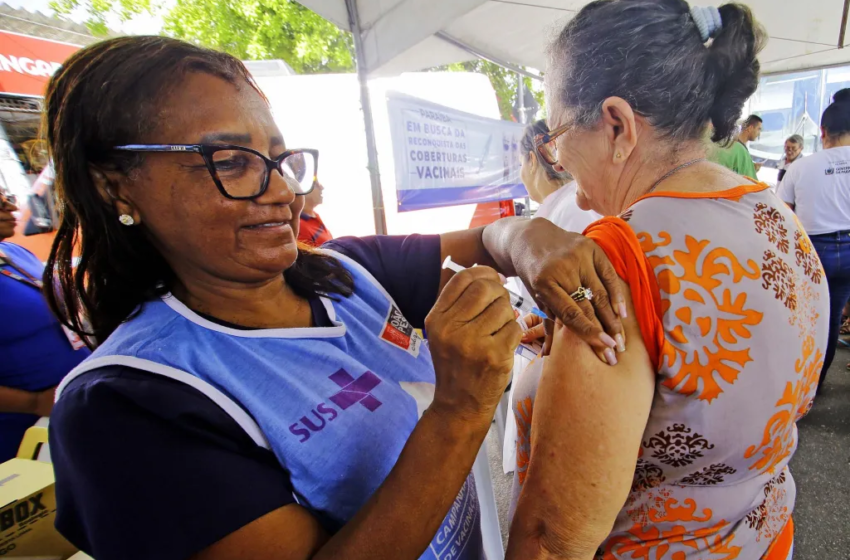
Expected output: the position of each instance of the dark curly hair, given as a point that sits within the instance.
(650, 53)
(106, 95)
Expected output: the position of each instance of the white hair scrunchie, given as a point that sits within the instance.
(707, 20)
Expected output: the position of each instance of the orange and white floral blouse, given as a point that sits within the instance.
(733, 307)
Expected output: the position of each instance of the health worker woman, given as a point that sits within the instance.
(250, 397)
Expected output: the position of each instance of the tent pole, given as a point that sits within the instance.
(843, 30)
(366, 103)
(523, 118)
(520, 91)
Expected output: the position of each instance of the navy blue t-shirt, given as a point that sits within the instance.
(150, 468)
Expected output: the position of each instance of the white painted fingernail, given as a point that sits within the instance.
(607, 340)
(610, 357)
(621, 343)
(623, 310)
(502, 279)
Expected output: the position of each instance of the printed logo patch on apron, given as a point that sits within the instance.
(400, 333)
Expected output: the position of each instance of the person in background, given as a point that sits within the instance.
(313, 231)
(793, 152)
(737, 156)
(817, 188)
(44, 182)
(554, 191)
(39, 214)
(750, 130)
(540, 179)
(682, 453)
(35, 351)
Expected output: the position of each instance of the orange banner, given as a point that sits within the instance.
(26, 63)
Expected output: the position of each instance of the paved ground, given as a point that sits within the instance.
(821, 468)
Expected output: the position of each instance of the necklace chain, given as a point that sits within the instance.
(673, 172)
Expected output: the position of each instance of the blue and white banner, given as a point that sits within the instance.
(445, 157)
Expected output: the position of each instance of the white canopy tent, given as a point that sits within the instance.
(405, 35)
(395, 36)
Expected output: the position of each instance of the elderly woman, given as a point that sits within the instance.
(279, 393)
(682, 450)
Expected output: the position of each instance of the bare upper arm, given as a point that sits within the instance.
(287, 533)
(587, 425)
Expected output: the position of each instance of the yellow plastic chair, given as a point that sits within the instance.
(34, 439)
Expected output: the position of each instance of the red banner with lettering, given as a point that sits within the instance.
(26, 63)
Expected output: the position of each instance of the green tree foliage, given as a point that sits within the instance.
(247, 29)
(266, 29)
(99, 11)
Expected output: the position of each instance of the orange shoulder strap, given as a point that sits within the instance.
(620, 243)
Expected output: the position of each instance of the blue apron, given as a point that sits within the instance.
(335, 404)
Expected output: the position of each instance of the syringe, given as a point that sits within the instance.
(524, 305)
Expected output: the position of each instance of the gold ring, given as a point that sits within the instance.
(582, 294)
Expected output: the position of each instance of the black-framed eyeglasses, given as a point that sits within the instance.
(241, 173)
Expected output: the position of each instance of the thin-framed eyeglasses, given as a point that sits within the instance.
(545, 144)
(242, 173)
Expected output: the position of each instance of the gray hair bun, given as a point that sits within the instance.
(707, 20)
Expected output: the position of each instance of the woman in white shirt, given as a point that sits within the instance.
(818, 189)
(540, 179)
(555, 192)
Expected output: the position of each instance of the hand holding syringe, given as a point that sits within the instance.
(518, 302)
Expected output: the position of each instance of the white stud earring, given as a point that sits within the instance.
(126, 219)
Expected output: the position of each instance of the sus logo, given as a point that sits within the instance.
(356, 390)
(353, 391)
